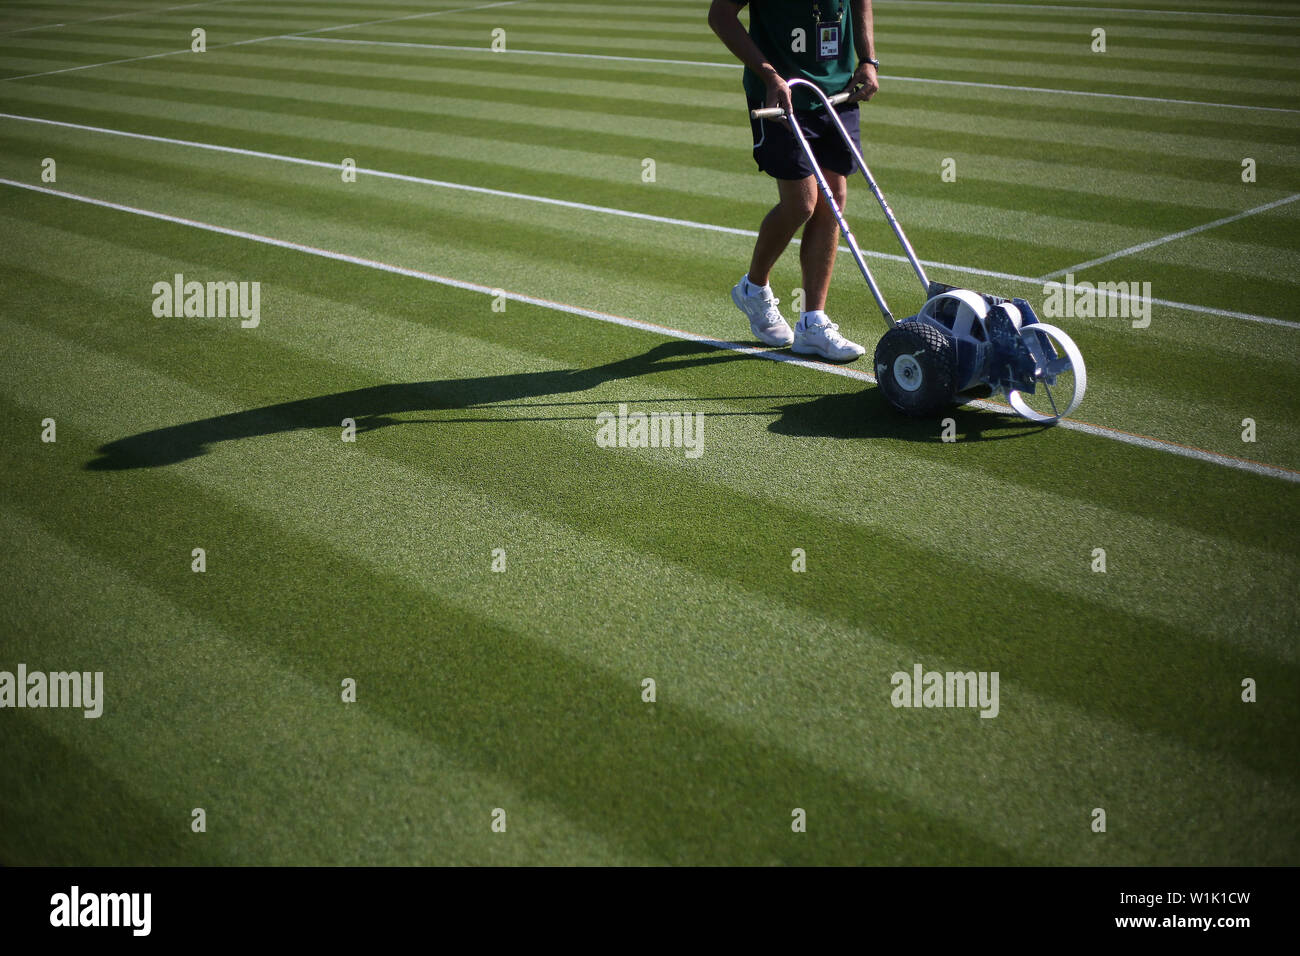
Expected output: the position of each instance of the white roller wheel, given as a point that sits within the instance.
(1062, 380)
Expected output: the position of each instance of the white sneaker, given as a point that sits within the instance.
(817, 335)
(767, 324)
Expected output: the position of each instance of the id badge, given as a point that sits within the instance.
(828, 42)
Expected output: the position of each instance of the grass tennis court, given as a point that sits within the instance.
(503, 269)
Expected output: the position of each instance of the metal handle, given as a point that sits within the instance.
(875, 190)
(775, 112)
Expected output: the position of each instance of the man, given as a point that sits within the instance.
(830, 43)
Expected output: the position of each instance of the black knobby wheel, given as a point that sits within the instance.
(916, 368)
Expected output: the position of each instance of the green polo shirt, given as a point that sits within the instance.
(772, 25)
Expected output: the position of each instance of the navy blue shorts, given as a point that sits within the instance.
(778, 153)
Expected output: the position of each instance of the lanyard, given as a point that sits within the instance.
(817, 12)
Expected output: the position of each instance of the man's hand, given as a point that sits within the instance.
(778, 94)
(864, 84)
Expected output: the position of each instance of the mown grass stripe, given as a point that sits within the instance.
(1059, 8)
(463, 682)
(625, 564)
(1173, 237)
(496, 346)
(506, 235)
(150, 11)
(884, 77)
(1143, 441)
(242, 42)
(229, 702)
(666, 542)
(588, 207)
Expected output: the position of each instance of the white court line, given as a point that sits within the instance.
(1143, 246)
(565, 203)
(131, 59)
(624, 213)
(304, 35)
(409, 16)
(117, 16)
(277, 36)
(1071, 8)
(1142, 441)
(716, 64)
(737, 66)
(1093, 93)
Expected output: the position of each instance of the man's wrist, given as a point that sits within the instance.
(869, 59)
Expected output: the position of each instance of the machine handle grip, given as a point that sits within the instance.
(775, 112)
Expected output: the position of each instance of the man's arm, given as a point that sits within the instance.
(724, 19)
(864, 43)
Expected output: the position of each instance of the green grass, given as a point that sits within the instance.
(522, 690)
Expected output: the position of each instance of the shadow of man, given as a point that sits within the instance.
(374, 407)
(859, 414)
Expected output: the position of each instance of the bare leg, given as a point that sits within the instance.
(798, 200)
(821, 237)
